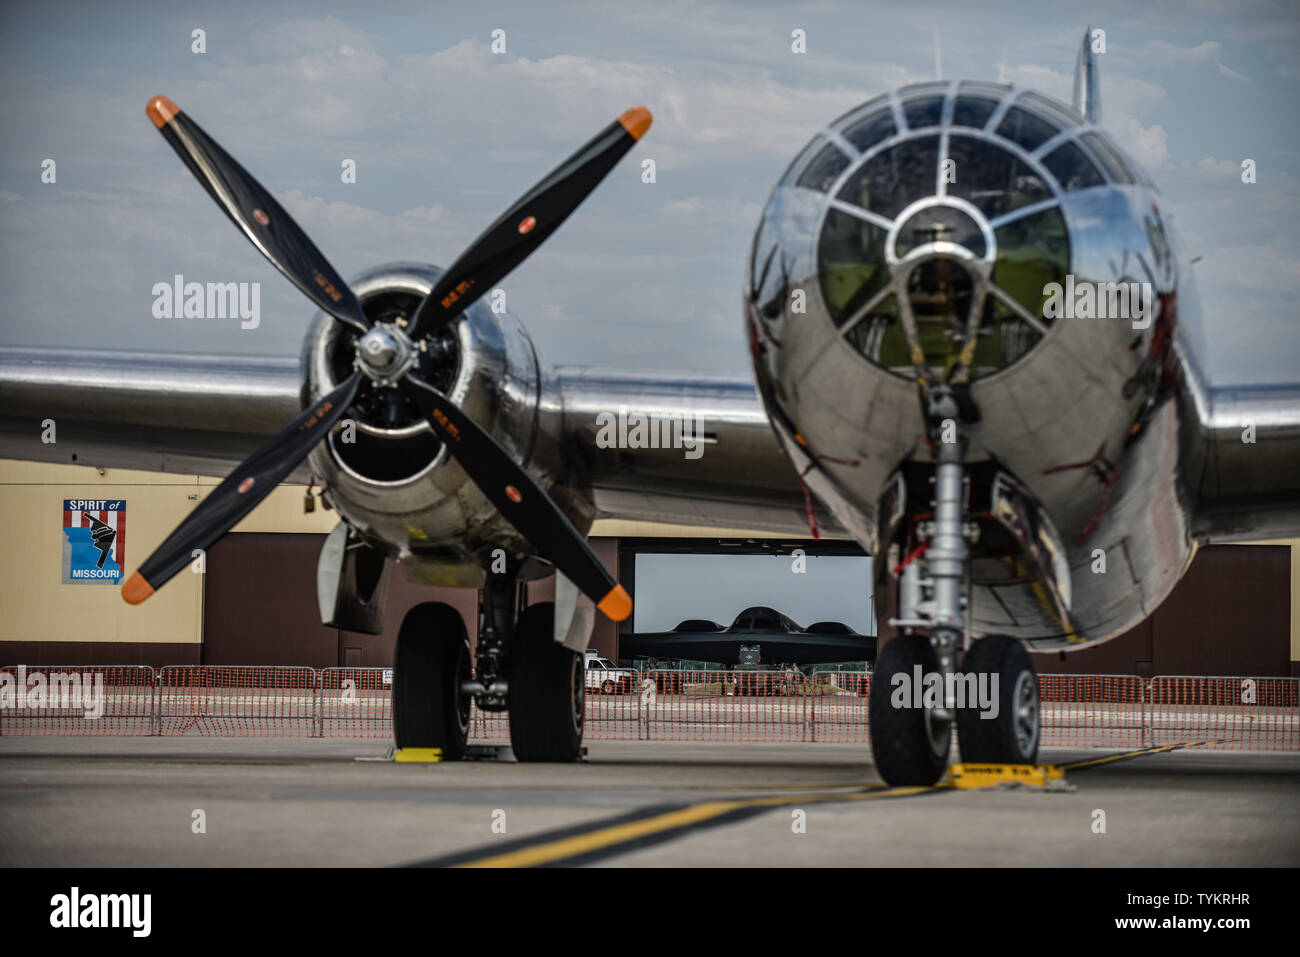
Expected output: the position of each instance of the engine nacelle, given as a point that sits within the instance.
(383, 467)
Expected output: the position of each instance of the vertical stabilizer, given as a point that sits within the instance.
(1087, 83)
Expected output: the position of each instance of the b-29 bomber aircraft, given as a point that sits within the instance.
(917, 386)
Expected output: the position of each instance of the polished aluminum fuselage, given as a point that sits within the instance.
(1124, 451)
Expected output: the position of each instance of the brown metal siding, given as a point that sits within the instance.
(259, 602)
(260, 606)
(1230, 615)
(69, 653)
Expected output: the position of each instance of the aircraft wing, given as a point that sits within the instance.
(205, 414)
(738, 476)
(199, 415)
(202, 415)
(1245, 456)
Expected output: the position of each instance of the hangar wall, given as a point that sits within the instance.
(1231, 614)
(261, 606)
(257, 605)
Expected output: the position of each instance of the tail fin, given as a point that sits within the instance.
(1087, 81)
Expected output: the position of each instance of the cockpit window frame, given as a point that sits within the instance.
(1095, 143)
(1048, 109)
(1027, 138)
(1069, 130)
(927, 102)
(1064, 148)
(846, 130)
(805, 156)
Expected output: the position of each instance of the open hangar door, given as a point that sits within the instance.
(1231, 614)
(673, 580)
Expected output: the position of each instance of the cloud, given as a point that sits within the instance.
(1166, 54)
(687, 207)
(314, 211)
(717, 210)
(1148, 144)
(445, 134)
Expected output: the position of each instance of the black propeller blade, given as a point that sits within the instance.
(240, 493)
(505, 244)
(519, 499)
(257, 214)
(526, 225)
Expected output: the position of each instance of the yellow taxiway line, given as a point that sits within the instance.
(607, 838)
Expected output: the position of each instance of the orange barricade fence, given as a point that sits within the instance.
(356, 702)
(1105, 711)
(1257, 714)
(238, 700)
(754, 706)
(489, 725)
(88, 699)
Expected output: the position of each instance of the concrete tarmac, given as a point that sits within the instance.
(116, 801)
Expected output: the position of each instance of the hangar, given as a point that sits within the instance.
(255, 602)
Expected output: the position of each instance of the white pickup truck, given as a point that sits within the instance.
(606, 677)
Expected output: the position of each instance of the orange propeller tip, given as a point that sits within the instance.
(636, 121)
(617, 605)
(160, 110)
(136, 589)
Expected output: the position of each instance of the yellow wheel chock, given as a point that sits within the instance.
(991, 775)
(418, 755)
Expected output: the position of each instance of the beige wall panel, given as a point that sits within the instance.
(39, 607)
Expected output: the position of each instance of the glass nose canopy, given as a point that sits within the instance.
(923, 308)
(936, 224)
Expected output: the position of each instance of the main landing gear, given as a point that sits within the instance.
(519, 668)
(918, 693)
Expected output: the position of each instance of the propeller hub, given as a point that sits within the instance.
(385, 353)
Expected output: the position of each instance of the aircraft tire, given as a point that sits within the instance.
(910, 747)
(547, 691)
(431, 661)
(1012, 737)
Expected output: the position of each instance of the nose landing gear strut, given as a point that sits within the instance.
(918, 693)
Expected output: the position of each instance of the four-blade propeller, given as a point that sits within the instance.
(501, 247)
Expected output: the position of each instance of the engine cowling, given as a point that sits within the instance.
(383, 467)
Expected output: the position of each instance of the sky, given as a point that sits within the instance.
(645, 276)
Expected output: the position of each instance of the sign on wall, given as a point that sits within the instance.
(94, 541)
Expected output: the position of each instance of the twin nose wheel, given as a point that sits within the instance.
(997, 718)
